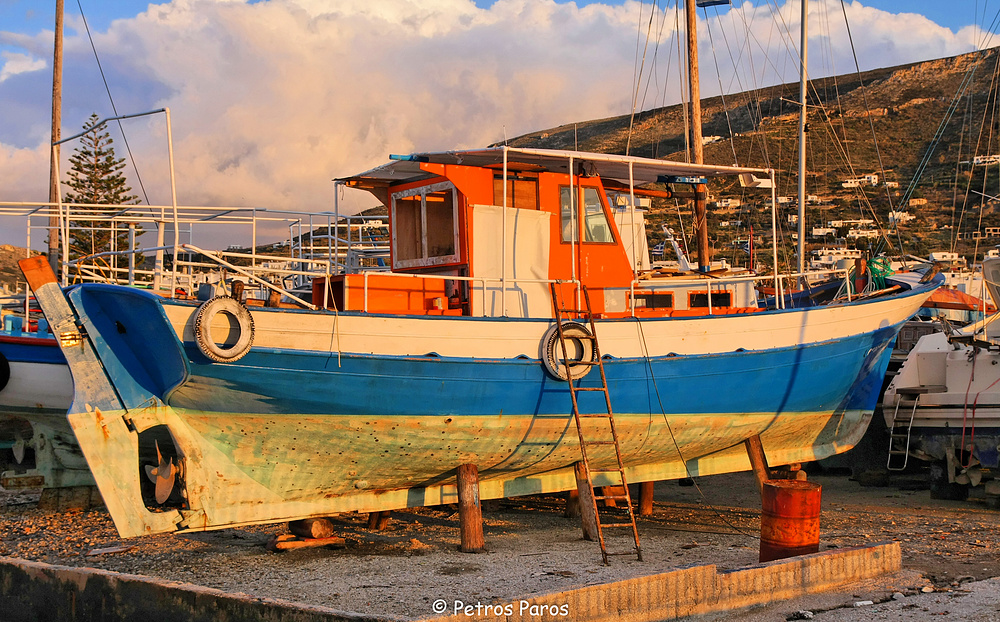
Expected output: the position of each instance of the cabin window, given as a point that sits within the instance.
(521, 193)
(596, 227)
(651, 300)
(719, 299)
(567, 216)
(595, 222)
(425, 226)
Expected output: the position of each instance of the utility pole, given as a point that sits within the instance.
(697, 148)
(56, 136)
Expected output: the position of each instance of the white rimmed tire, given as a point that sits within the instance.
(203, 329)
(581, 350)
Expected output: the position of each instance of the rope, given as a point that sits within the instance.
(673, 439)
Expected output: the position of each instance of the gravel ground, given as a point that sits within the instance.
(533, 549)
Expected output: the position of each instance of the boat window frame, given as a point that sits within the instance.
(579, 220)
(424, 260)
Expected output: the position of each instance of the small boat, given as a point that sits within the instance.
(370, 397)
(36, 389)
(943, 405)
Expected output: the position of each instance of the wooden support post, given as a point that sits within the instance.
(318, 528)
(378, 520)
(646, 499)
(470, 515)
(588, 511)
(572, 504)
(607, 491)
(758, 461)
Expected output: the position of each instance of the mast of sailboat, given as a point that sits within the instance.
(803, 50)
(697, 151)
(54, 224)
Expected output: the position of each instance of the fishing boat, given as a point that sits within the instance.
(369, 397)
(943, 406)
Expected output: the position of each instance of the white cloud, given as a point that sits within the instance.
(271, 100)
(14, 64)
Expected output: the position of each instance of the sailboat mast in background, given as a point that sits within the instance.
(803, 50)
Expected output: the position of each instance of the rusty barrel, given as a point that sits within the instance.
(789, 523)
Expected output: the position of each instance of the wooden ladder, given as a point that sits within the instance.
(612, 434)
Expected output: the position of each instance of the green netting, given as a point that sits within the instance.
(878, 269)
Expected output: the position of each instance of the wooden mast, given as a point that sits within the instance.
(803, 49)
(697, 147)
(56, 135)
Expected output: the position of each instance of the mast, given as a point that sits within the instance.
(54, 224)
(803, 49)
(697, 151)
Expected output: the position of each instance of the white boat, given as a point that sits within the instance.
(943, 406)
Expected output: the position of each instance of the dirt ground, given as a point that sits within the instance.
(532, 549)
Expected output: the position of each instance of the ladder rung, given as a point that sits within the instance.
(590, 389)
(595, 416)
(897, 452)
(606, 525)
(615, 497)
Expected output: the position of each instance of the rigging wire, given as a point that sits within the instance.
(637, 75)
(722, 92)
(113, 107)
(871, 125)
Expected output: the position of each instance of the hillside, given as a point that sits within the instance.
(901, 106)
(10, 274)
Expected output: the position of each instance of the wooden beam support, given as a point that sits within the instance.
(572, 504)
(378, 520)
(758, 461)
(317, 528)
(470, 515)
(588, 509)
(646, 499)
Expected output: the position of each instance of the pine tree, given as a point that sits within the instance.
(96, 177)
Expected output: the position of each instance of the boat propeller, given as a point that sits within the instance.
(164, 474)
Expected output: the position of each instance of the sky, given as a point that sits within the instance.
(271, 99)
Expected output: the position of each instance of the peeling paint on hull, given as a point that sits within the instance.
(288, 433)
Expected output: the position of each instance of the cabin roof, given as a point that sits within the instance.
(407, 168)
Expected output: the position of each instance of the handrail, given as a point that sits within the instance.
(222, 262)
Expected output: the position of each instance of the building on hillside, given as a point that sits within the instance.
(853, 234)
(858, 182)
(917, 202)
(837, 224)
(899, 218)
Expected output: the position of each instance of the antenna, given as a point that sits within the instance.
(504, 135)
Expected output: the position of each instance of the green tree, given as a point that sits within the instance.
(96, 178)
